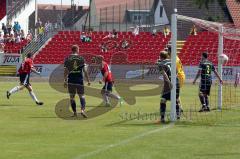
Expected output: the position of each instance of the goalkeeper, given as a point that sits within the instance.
(180, 72)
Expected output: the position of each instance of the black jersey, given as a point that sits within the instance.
(206, 68)
(165, 65)
(75, 65)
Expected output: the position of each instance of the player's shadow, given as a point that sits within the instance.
(63, 110)
(43, 117)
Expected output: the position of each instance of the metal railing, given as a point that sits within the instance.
(38, 42)
(14, 7)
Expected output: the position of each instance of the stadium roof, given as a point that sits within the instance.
(234, 9)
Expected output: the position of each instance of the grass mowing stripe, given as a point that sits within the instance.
(123, 142)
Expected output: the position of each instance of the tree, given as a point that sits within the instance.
(205, 3)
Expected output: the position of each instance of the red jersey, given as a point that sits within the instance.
(26, 66)
(106, 68)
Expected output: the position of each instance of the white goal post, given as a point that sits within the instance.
(210, 26)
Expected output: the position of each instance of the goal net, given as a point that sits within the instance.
(215, 39)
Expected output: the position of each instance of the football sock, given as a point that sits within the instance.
(114, 96)
(202, 100)
(177, 108)
(162, 110)
(33, 96)
(73, 105)
(14, 90)
(207, 101)
(83, 102)
(105, 98)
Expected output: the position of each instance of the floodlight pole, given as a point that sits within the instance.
(220, 67)
(36, 18)
(61, 13)
(173, 66)
(89, 22)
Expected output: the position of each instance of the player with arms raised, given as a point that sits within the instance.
(205, 70)
(74, 67)
(24, 76)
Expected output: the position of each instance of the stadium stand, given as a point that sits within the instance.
(15, 47)
(207, 41)
(13, 40)
(145, 47)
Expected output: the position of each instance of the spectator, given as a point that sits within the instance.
(103, 47)
(4, 29)
(193, 30)
(166, 31)
(16, 28)
(38, 25)
(56, 26)
(1, 37)
(125, 44)
(9, 27)
(88, 37)
(18, 39)
(22, 35)
(29, 36)
(50, 26)
(136, 30)
(2, 45)
(11, 38)
(154, 32)
(41, 32)
(47, 28)
(83, 36)
(112, 35)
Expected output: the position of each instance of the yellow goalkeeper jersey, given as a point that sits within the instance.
(180, 72)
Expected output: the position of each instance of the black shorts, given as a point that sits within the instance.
(167, 91)
(24, 79)
(167, 96)
(205, 87)
(108, 86)
(75, 88)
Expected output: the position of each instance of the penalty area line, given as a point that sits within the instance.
(126, 141)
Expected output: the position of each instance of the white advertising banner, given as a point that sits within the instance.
(45, 69)
(136, 71)
(10, 59)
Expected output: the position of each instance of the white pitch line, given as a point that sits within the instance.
(131, 139)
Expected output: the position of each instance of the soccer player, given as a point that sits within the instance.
(180, 72)
(165, 69)
(24, 75)
(108, 82)
(205, 70)
(74, 67)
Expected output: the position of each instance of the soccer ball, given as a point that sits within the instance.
(223, 59)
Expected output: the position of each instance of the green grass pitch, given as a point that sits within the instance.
(28, 131)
